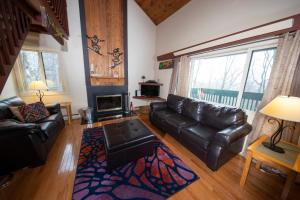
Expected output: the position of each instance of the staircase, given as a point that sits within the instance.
(18, 17)
(15, 24)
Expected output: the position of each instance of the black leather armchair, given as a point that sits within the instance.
(26, 144)
(214, 134)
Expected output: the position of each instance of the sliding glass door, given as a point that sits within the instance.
(236, 78)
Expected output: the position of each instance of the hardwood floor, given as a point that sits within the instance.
(55, 179)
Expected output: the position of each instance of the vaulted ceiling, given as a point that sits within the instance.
(159, 10)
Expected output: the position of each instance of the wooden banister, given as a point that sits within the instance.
(17, 18)
(15, 25)
(57, 11)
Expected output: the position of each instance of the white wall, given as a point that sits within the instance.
(73, 59)
(10, 88)
(199, 21)
(141, 48)
(71, 62)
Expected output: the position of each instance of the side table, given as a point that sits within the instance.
(67, 107)
(289, 162)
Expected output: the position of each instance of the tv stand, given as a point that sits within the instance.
(151, 83)
(148, 98)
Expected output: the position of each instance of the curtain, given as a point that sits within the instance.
(294, 136)
(174, 77)
(180, 79)
(183, 76)
(280, 83)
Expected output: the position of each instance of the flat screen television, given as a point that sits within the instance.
(150, 90)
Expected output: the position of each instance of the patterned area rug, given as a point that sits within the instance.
(151, 177)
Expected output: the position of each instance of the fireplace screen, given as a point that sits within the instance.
(109, 103)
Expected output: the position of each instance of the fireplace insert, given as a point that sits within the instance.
(109, 103)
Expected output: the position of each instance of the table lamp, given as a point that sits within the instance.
(282, 108)
(38, 86)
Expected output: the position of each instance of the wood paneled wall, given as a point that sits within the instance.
(104, 18)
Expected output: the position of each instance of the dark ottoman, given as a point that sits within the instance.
(127, 141)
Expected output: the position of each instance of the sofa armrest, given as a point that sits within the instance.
(12, 128)
(53, 109)
(231, 134)
(154, 106)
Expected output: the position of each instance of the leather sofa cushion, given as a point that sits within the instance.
(5, 112)
(179, 121)
(200, 135)
(222, 117)
(193, 109)
(163, 114)
(175, 103)
(176, 122)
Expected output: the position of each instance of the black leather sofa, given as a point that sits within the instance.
(26, 144)
(214, 134)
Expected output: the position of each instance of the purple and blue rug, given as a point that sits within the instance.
(152, 177)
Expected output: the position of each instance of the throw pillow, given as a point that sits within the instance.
(34, 112)
(15, 110)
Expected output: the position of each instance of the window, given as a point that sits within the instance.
(234, 79)
(39, 65)
(218, 79)
(257, 78)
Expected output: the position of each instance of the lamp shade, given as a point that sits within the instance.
(283, 107)
(37, 85)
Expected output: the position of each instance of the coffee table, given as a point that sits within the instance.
(127, 141)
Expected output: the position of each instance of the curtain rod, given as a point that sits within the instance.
(241, 44)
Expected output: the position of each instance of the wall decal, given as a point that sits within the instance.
(95, 46)
(116, 57)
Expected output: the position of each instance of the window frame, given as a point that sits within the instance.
(20, 73)
(249, 50)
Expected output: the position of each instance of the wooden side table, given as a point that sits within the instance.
(67, 107)
(289, 162)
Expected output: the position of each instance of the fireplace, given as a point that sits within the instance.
(107, 103)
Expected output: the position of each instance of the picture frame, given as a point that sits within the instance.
(168, 64)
